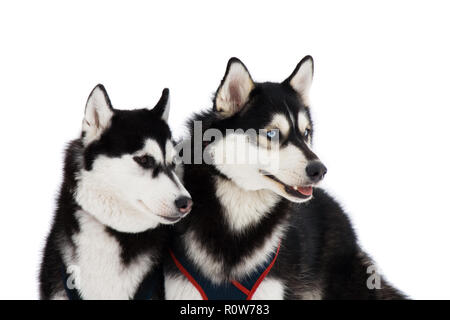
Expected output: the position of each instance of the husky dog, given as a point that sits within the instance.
(118, 195)
(263, 231)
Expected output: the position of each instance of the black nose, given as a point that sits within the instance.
(316, 170)
(184, 204)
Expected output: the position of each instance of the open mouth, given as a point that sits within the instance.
(302, 192)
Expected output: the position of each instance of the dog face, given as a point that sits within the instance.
(279, 155)
(127, 180)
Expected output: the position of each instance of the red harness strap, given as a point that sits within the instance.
(248, 292)
(190, 278)
(241, 287)
(263, 275)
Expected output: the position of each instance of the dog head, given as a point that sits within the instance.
(268, 127)
(127, 180)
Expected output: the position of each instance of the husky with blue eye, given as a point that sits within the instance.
(265, 230)
(118, 196)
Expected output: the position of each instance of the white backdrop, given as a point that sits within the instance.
(380, 101)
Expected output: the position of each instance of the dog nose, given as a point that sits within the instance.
(316, 171)
(184, 204)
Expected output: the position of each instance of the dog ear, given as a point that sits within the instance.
(97, 115)
(301, 79)
(162, 108)
(234, 90)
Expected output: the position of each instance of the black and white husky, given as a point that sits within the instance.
(260, 229)
(118, 195)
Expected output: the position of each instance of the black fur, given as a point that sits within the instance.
(319, 248)
(126, 134)
(128, 131)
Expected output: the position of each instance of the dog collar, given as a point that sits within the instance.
(147, 290)
(232, 290)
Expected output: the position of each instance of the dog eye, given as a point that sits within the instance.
(272, 134)
(307, 133)
(145, 161)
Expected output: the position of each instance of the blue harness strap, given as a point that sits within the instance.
(233, 290)
(147, 290)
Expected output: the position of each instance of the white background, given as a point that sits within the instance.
(380, 101)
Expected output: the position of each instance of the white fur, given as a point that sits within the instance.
(261, 255)
(269, 289)
(213, 268)
(151, 147)
(243, 162)
(312, 294)
(302, 80)
(60, 295)
(292, 167)
(97, 115)
(208, 265)
(178, 287)
(165, 115)
(170, 152)
(243, 209)
(280, 122)
(109, 279)
(124, 196)
(302, 122)
(235, 90)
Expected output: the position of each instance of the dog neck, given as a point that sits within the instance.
(230, 231)
(243, 209)
(107, 264)
(104, 259)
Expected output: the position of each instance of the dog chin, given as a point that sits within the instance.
(168, 219)
(295, 199)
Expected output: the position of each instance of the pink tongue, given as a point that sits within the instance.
(307, 191)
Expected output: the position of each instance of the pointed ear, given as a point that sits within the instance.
(301, 79)
(234, 90)
(97, 115)
(162, 108)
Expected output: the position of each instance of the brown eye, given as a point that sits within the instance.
(145, 161)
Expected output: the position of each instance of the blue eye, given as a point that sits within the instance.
(307, 133)
(272, 134)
